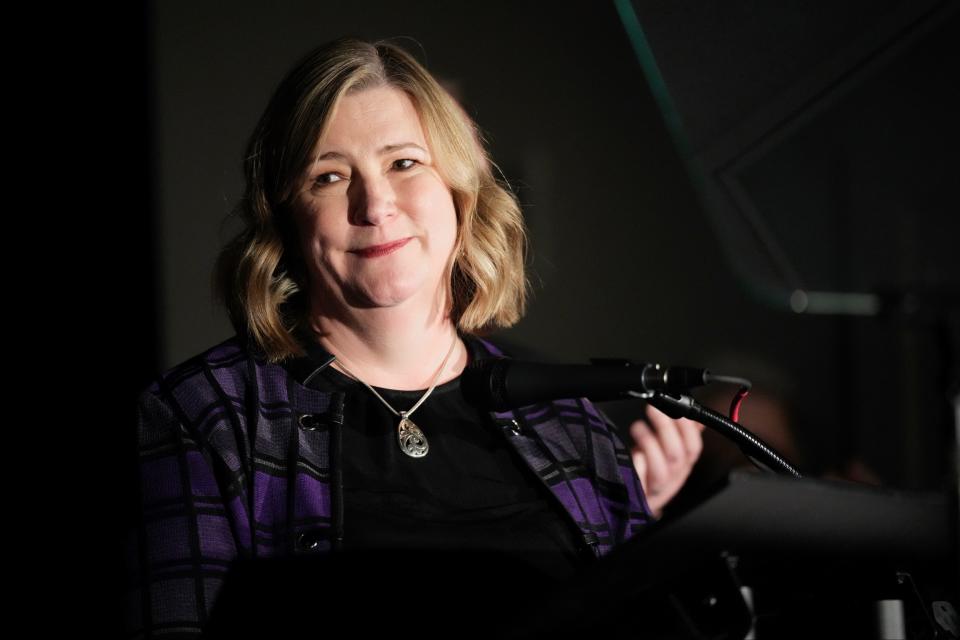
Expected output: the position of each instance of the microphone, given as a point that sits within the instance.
(499, 384)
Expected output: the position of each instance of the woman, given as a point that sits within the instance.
(377, 245)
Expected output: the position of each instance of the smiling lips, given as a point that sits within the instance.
(381, 249)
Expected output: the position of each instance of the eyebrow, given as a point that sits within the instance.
(336, 155)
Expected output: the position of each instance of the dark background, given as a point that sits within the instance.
(626, 258)
(145, 113)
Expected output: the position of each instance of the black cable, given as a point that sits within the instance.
(753, 447)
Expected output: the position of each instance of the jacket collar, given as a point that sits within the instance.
(315, 359)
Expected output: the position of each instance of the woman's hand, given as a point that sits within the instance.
(664, 451)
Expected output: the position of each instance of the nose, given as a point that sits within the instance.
(376, 201)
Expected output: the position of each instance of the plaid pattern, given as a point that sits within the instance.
(234, 460)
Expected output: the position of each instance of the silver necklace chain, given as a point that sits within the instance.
(412, 440)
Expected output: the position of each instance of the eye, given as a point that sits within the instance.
(327, 178)
(405, 163)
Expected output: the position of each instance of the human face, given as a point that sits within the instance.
(376, 223)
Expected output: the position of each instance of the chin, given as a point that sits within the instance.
(386, 294)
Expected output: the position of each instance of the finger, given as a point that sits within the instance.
(668, 433)
(635, 428)
(654, 503)
(640, 464)
(691, 434)
(656, 463)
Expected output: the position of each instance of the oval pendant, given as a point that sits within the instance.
(412, 441)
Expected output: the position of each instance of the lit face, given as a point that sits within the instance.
(376, 223)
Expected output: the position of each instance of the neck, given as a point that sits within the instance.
(395, 348)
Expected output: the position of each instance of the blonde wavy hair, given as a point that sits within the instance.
(260, 275)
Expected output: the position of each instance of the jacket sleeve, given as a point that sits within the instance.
(179, 542)
(638, 511)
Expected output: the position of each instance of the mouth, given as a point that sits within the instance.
(378, 250)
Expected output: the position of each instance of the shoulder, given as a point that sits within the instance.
(481, 348)
(229, 353)
(504, 347)
(223, 371)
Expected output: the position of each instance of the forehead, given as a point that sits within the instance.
(370, 119)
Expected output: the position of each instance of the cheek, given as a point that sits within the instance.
(450, 222)
(318, 242)
(439, 214)
(316, 231)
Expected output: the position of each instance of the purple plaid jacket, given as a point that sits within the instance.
(235, 461)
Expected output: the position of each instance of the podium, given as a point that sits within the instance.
(760, 557)
(773, 557)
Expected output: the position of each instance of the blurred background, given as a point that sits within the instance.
(692, 175)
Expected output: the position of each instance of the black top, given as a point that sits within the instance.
(471, 492)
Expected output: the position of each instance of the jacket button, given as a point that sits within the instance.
(511, 426)
(309, 422)
(309, 540)
(590, 544)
